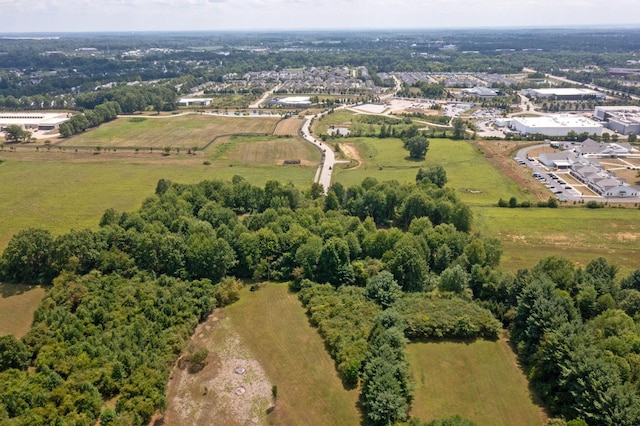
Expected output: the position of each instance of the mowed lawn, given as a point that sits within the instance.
(577, 233)
(272, 323)
(185, 131)
(18, 302)
(476, 181)
(479, 380)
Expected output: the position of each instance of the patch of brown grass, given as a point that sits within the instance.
(288, 127)
(18, 302)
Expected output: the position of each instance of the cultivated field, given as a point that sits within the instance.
(479, 380)
(18, 302)
(253, 150)
(288, 127)
(273, 325)
(184, 131)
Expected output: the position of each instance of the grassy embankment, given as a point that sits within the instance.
(272, 323)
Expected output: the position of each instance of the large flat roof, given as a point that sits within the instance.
(32, 118)
(557, 120)
(566, 91)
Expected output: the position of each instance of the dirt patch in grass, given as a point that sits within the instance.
(231, 389)
(351, 152)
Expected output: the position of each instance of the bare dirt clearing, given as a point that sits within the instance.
(351, 152)
(232, 388)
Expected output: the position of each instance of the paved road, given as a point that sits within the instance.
(264, 97)
(328, 160)
(560, 190)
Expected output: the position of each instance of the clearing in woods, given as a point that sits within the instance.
(184, 131)
(480, 380)
(18, 302)
(267, 330)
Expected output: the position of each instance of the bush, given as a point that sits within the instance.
(594, 205)
(227, 292)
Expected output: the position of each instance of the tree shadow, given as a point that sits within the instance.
(414, 159)
(8, 290)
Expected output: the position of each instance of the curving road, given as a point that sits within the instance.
(328, 159)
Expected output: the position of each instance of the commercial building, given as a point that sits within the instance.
(195, 102)
(555, 125)
(291, 101)
(621, 119)
(565, 94)
(33, 120)
(480, 92)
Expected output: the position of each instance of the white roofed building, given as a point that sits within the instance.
(555, 125)
(565, 94)
(621, 119)
(33, 120)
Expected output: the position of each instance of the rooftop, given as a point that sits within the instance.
(557, 120)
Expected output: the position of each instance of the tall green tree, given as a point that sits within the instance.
(417, 146)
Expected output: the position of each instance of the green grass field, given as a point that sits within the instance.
(18, 302)
(249, 150)
(186, 131)
(578, 233)
(272, 323)
(479, 380)
(60, 196)
(476, 180)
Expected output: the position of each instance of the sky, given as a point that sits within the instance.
(212, 15)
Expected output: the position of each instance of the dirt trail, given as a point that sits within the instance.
(351, 152)
(232, 389)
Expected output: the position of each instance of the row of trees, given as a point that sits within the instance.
(103, 113)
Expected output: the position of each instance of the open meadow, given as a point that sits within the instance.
(578, 233)
(273, 325)
(481, 176)
(63, 190)
(184, 131)
(477, 182)
(479, 380)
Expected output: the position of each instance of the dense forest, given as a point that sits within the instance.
(376, 266)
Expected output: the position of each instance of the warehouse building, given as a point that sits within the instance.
(33, 120)
(555, 125)
(621, 119)
(195, 102)
(564, 94)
